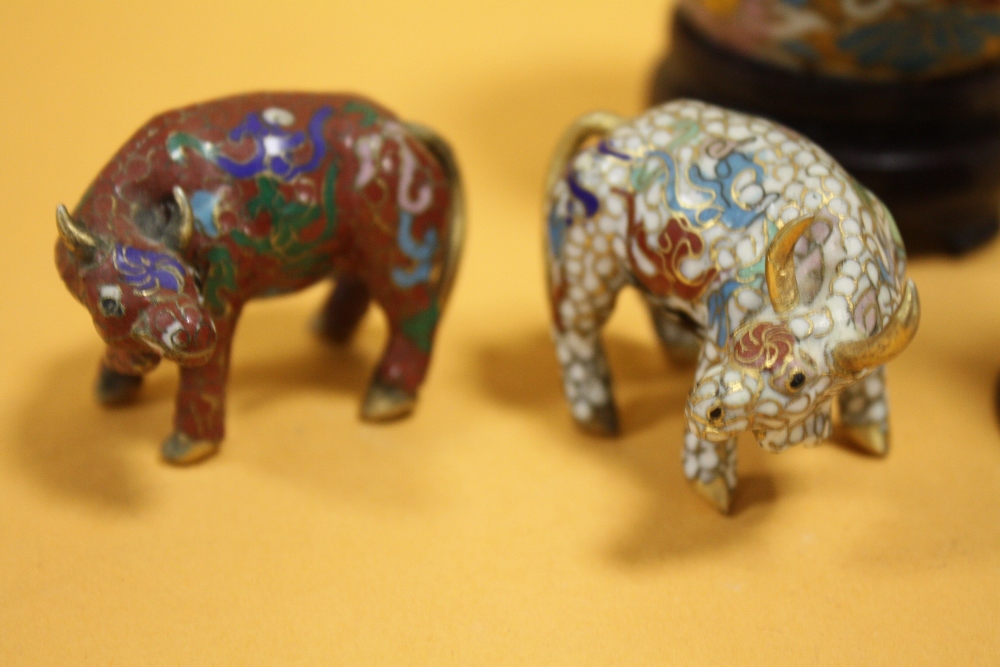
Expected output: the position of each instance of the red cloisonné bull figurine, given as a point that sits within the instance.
(209, 206)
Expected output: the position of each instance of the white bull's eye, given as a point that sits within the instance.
(796, 380)
(715, 415)
(111, 300)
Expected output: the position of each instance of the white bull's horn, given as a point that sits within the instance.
(876, 350)
(779, 268)
(75, 238)
(187, 216)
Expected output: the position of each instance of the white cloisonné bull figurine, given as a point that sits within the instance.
(755, 252)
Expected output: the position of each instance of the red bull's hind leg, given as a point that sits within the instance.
(343, 311)
(392, 392)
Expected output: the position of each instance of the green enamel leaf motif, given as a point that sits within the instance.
(420, 327)
(221, 275)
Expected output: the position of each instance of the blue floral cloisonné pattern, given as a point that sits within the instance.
(557, 230)
(582, 195)
(718, 316)
(922, 40)
(203, 206)
(876, 40)
(727, 210)
(274, 146)
(148, 271)
(605, 149)
(420, 252)
(717, 189)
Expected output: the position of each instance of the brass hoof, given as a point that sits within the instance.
(385, 403)
(114, 388)
(715, 492)
(180, 449)
(871, 438)
(603, 420)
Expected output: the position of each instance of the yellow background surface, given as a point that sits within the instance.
(485, 529)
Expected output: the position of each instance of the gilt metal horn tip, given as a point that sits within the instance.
(187, 216)
(72, 235)
(876, 350)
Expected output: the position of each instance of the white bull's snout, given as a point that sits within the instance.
(728, 400)
(722, 403)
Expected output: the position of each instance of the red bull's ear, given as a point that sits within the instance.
(179, 330)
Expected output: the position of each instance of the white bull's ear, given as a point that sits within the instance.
(187, 217)
(850, 358)
(78, 240)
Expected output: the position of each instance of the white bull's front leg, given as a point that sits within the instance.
(864, 413)
(716, 413)
(710, 467)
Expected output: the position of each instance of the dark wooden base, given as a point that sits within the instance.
(930, 151)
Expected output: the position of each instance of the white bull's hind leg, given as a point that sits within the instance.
(864, 413)
(582, 305)
(680, 342)
(587, 381)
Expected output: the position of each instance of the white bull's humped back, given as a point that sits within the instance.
(730, 180)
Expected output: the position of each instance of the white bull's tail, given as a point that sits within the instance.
(593, 124)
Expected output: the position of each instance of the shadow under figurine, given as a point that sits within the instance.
(755, 252)
(209, 206)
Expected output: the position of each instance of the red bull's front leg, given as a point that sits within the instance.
(200, 413)
(120, 376)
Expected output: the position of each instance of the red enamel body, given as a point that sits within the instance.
(276, 192)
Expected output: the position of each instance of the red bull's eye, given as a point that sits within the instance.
(111, 301)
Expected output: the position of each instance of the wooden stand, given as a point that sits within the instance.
(929, 150)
